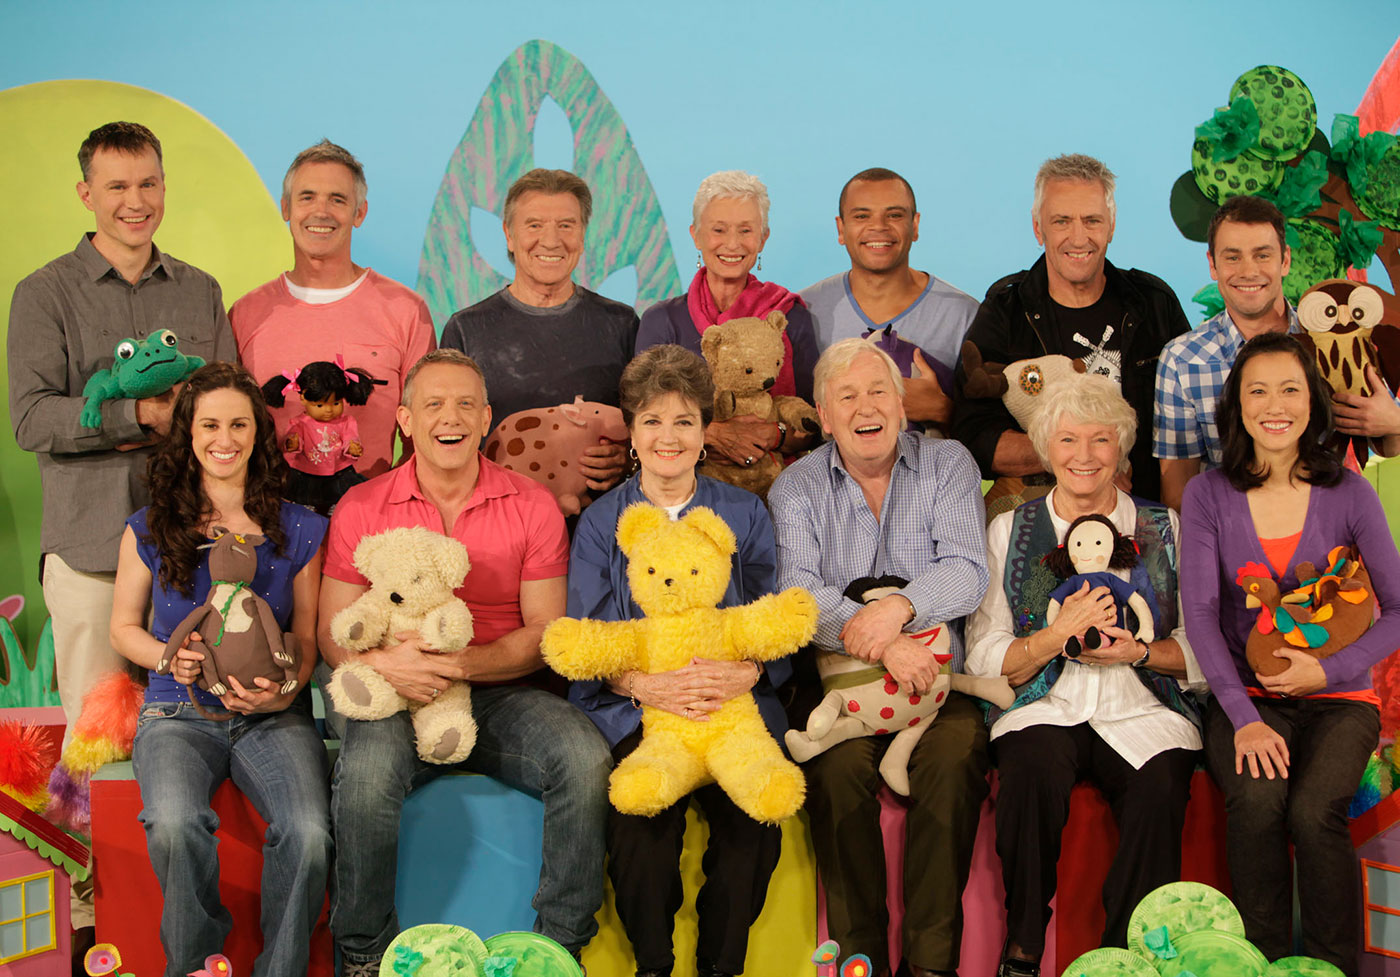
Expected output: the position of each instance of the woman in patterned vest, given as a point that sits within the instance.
(1117, 714)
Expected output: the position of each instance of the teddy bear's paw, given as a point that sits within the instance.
(453, 745)
(444, 728)
(640, 790)
(359, 692)
(447, 628)
(779, 797)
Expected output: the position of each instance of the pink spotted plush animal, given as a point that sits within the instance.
(544, 444)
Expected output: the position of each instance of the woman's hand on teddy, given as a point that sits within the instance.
(1084, 609)
(726, 679)
(263, 697)
(684, 692)
(740, 440)
(1303, 676)
(354, 449)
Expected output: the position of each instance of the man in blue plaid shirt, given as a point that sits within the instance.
(878, 500)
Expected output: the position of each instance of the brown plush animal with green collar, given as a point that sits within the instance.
(240, 634)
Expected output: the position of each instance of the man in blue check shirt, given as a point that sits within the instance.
(878, 500)
(1249, 258)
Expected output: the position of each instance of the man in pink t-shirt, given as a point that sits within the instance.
(327, 305)
(526, 737)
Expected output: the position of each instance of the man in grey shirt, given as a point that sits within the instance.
(877, 222)
(66, 320)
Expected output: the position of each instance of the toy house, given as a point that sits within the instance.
(38, 862)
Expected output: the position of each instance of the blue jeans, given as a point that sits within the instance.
(527, 738)
(279, 763)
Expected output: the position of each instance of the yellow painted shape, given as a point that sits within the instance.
(1323, 614)
(218, 216)
(781, 940)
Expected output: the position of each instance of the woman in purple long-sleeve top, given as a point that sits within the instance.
(1288, 750)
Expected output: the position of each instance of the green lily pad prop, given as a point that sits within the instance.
(1182, 907)
(1316, 258)
(1222, 179)
(1380, 201)
(1287, 111)
(1110, 961)
(1191, 209)
(539, 956)
(1214, 953)
(434, 950)
(1302, 967)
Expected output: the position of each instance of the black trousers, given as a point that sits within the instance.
(644, 866)
(947, 782)
(1037, 768)
(1329, 741)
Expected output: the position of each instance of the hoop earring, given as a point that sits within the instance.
(699, 262)
(632, 453)
(760, 263)
(703, 455)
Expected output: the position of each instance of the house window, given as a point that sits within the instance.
(26, 916)
(1381, 888)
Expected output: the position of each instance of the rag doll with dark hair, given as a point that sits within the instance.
(322, 443)
(1092, 547)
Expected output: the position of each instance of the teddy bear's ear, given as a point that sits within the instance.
(712, 527)
(450, 558)
(710, 343)
(777, 320)
(368, 548)
(638, 522)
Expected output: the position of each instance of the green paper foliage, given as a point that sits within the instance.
(1315, 258)
(499, 966)
(1286, 110)
(1359, 240)
(1357, 153)
(1299, 194)
(1220, 180)
(1232, 130)
(1380, 199)
(1210, 300)
(406, 961)
(1159, 941)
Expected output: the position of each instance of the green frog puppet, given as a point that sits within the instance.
(143, 368)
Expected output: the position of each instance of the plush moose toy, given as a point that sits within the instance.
(241, 636)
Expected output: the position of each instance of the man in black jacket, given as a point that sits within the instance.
(1074, 302)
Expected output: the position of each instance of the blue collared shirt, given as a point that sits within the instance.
(931, 532)
(1191, 374)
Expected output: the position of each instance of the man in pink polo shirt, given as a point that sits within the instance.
(526, 737)
(327, 305)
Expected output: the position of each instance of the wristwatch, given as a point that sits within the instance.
(1146, 654)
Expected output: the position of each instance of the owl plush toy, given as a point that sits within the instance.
(1348, 327)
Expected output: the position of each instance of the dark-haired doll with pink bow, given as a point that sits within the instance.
(322, 444)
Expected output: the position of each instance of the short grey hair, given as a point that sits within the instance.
(1084, 399)
(730, 183)
(1074, 166)
(455, 357)
(838, 359)
(326, 151)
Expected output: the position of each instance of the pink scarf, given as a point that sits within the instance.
(756, 300)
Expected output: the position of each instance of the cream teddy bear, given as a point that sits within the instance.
(678, 571)
(412, 574)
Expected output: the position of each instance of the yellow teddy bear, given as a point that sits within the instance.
(678, 571)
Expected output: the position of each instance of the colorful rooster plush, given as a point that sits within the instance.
(1326, 612)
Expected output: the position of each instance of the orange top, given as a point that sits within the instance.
(1280, 551)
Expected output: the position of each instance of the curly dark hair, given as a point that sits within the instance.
(1124, 555)
(1318, 462)
(179, 508)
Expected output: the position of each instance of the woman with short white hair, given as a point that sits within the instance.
(1114, 712)
(729, 225)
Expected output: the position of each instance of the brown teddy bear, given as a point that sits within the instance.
(745, 355)
(412, 573)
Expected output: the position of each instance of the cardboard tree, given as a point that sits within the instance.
(1341, 196)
